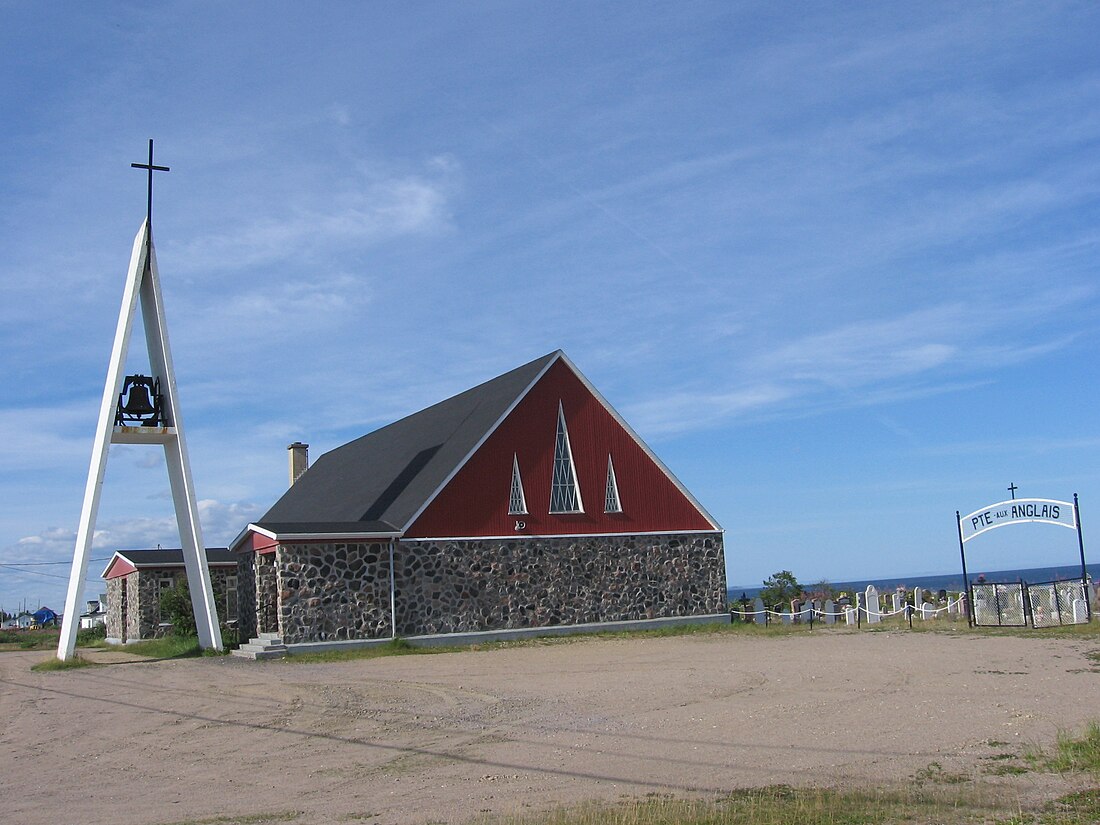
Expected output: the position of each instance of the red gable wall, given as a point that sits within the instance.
(475, 502)
(118, 567)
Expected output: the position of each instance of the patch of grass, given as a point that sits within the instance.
(1005, 770)
(69, 664)
(1086, 803)
(935, 774)
(1076, 753)
(92, 636)
(394, 647)
(401, 647)
(772, 805)
(170, 647)
(1071, 631)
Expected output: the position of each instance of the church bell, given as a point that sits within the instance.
(140, 402)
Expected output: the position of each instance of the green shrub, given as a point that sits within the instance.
(230, 636)
(175, 607)
(88, 636)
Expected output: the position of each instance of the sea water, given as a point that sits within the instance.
(948, 581)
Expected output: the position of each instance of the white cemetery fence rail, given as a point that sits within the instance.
(1049, 604)
(852, 614)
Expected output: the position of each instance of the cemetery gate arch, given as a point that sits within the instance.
(1016, 605)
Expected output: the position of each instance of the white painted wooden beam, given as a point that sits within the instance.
(143, 284)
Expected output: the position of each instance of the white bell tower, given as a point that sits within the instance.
(149, 415)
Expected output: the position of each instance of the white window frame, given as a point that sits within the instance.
(611, 501)
(566, 455)
(517, 500)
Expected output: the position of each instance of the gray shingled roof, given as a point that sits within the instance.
(145, 559)
(163, 558)
(378, 483)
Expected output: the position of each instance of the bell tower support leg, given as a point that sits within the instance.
(179, 467)
(70, 620)
(194, 555)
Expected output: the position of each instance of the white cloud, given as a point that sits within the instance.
(376, 211)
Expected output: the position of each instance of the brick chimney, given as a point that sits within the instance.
(299, 460)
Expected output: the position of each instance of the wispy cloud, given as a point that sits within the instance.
(930, 351)
(377, 211)
(221, 522)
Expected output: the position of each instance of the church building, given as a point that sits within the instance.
(524, 502)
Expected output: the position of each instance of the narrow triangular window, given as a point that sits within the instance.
(611, 503)
(565, 494)
(517, 502)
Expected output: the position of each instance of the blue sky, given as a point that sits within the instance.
(836, 263)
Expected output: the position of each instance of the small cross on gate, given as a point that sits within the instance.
(151, 168)
(1012, 488)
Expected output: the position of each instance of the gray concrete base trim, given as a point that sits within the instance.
(481, 637)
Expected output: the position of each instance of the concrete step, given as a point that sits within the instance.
(264, 646)
(257, 648)
(258, 654)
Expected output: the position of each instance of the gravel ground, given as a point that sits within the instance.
(445, 737)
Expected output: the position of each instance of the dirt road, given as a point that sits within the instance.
(443, 737)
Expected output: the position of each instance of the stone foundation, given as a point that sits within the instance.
(336, 591)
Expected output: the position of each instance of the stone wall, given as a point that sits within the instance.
(246, 594)
(141, 592)
(267, 593)
(341, 591)
(334, 591)
(143, 608)
(116, 589)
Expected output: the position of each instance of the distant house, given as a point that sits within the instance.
(136, 578)
(44, 617)
(96, 613)
(25, 621)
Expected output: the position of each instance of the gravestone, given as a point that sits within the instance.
(758, 608)
(806, 612)
(830, 612)
(1080, 611)
(927, 611)
(872, 602)
(786, 617)
(850, 615)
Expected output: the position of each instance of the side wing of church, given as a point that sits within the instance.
(524, 502)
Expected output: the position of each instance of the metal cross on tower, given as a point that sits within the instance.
(151, 168)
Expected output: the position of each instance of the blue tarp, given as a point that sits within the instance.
(44, 615)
